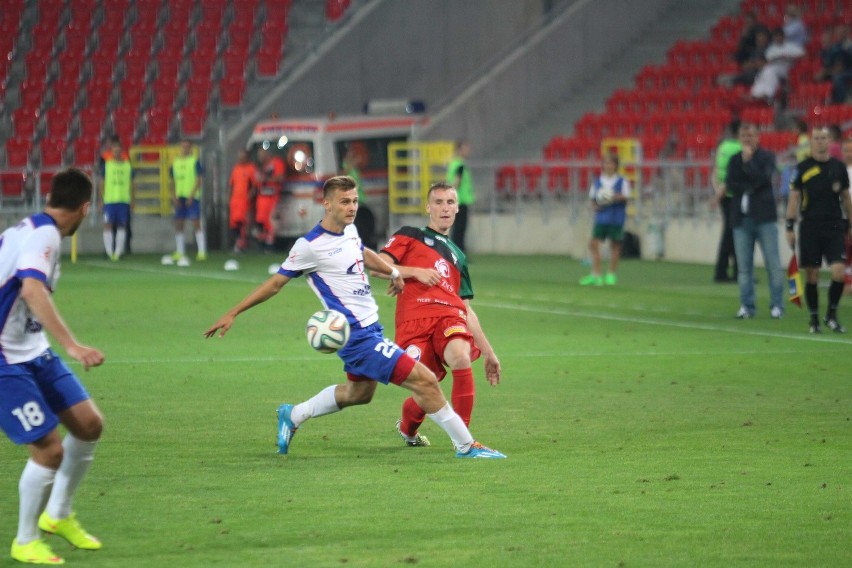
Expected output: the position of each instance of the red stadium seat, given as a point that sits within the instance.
(17, 156)
(86, 150)
(13, 186)
(267, 64)
(192, 123)
(532, 175)
(558, 180)
(507, 181)
(52, 153)
(231, 92)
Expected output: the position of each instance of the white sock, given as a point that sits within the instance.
(120, 239)
(180, 244)
(201, 241)
(33, 490)
(321, 404)
(454, 426)
(77, 458)
(108, 242)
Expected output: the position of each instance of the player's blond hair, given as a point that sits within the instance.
(342, 183)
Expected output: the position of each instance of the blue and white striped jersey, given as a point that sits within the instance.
(30, 249)
(334, 265)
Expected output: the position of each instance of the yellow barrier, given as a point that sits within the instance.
(151, 165)
(412, 168)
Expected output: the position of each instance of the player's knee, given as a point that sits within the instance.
(90, 429)
(49, 455)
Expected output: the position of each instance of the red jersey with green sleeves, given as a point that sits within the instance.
(425, 248)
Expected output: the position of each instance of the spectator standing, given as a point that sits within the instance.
(117, 182)
(272, 171)
(794, 27)
(435, 322)
(726, 256)
(37, 390)
(186, 176)
(459, 176)
(243, 185)
(748, 38)
(609, 194)
(754, 216)
(819, 196)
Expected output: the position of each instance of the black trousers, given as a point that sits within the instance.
(460, 227)
(726, 256)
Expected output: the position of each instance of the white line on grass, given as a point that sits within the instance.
(650, 321)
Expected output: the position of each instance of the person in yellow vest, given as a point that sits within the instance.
(117, 193)
(186, 176)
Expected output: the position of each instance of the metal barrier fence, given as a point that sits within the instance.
(662, 190)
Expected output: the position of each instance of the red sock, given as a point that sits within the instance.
(412, 417)
(463, 393)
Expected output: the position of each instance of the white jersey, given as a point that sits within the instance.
(30, 249)
(334, 264)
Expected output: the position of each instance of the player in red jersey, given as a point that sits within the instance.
(435, 322)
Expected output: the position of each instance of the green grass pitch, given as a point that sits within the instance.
(644, 424)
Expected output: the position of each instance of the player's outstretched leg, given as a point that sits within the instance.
(417, 440)
(286, 428)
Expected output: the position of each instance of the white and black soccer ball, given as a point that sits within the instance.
(327, 331)
(604, 195)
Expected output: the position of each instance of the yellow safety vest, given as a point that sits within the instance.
(183, 170)
(117, 176)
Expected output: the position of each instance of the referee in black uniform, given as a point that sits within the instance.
(819, 187)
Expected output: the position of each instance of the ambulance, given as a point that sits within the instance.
(315, 149)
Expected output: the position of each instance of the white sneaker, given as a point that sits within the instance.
(776, 312)
(743, 313)
(183, 261)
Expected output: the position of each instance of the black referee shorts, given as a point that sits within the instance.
(822, 239)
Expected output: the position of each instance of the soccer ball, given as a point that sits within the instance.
(327, 331)
(232, 265)
(604, 196)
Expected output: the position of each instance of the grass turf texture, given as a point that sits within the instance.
(644, 425)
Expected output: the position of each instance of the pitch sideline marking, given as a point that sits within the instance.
(651, 321)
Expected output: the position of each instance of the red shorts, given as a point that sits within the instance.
(264, 208)
(426, 339)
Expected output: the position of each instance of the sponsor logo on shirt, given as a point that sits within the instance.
(363, 291)
(443, 268)
(32, 326)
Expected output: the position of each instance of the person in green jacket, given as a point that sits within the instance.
(726, 257)
(458, 175)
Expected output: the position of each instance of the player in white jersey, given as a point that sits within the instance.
(336, 264)
(37, 390)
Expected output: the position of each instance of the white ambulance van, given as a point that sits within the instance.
(315, 149)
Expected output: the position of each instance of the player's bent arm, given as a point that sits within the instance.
(377, 264)
(492, 363)
(38, 300)
(271, 287)
(427, 276)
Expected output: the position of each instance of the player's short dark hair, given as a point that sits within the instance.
(438, 186)
(342, 183)
(612, 156)
(70, 189)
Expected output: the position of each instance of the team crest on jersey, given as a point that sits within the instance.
(47, 252)
(413, 351)
(443, 268)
